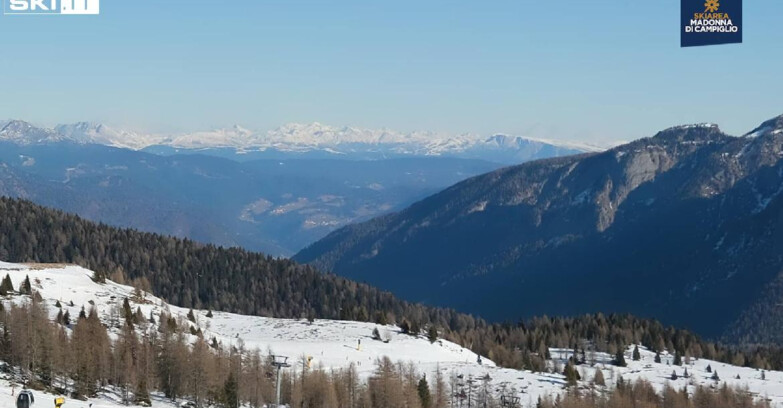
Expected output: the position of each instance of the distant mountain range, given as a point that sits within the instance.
(685, 226)
(274, 192)
(273, 206)
(303, 141)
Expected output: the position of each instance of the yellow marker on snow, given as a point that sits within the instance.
(59, 401)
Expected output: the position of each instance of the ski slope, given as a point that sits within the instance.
(336, 344)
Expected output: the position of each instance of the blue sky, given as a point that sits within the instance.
(571, 69)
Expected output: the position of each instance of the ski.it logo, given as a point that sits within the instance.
(51, 6)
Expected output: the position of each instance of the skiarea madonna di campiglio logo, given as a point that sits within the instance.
(711, 22)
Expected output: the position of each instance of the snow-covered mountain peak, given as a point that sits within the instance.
(97, 133)
(233, 137)
(21, 132)
(318, 134)
(312, 138)
(772, 126)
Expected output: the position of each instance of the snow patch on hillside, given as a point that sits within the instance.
(335, 344)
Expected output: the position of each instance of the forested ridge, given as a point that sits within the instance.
(190, 274)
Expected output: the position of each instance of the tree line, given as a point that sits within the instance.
(641, 394)
(78, 358)
(194, 275)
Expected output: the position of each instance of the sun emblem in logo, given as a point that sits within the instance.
(711, 6)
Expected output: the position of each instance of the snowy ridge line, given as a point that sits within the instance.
(335, 344)
(293, 137)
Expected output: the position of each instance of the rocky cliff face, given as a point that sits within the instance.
(682, 226)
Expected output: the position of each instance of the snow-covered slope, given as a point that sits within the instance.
(23, 133)
(96, 133)
(336, 343)
(347, 140)
(313, 138)
(42, 399)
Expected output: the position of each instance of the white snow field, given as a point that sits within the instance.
(335, 344)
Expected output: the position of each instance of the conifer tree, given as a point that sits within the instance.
(677, 358)
(620, 386)
(619, 358)
(432, 334)
(571, 374)
(380, 318)
(6, 286)
(231, 392)
(415, 328)
(138, 317)
(636, 355)
(26, 288)
(657, 357)
(574, 357)
(127, 312)
(98, 277)
(424, 393)
(405, 327)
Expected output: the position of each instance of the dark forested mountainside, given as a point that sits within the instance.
(185, 272)
(684, 227)
(194, 275)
